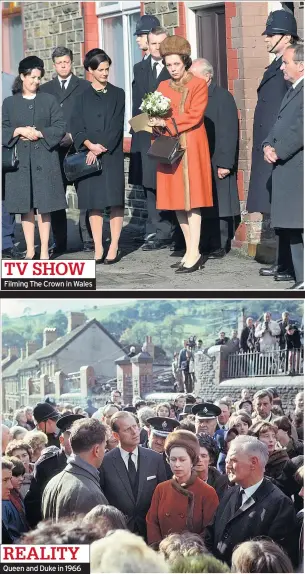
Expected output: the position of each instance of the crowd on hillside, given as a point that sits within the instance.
(197, 485)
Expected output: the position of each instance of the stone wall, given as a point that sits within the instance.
(51, 24)
(166, 12)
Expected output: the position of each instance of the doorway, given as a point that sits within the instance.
(211, 40)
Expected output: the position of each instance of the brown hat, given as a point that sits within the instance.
(175, 45)
(186, 439)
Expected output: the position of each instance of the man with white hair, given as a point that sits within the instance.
(221, 123)
(253, 507)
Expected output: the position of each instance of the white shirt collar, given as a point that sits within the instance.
(248, 492)
(67, 80)
(159, 62)
(297, 82)
(125, 453)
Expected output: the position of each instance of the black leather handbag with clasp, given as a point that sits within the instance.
(167, 149)
(75, 166)
(10, 161)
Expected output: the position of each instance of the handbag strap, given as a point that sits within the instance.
(176, 129)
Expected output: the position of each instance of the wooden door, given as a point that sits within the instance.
(211, 40)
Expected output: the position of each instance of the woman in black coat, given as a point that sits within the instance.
(98, 125)
(34, 122)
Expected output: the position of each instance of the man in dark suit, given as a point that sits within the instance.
(147, 76)
(254, 507)
(281, 30)
(284, 151)
(66, 87)
(130, 473)
(221, 122)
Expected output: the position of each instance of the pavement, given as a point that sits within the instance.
(147, 271)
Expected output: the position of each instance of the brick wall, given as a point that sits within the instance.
(51, 24)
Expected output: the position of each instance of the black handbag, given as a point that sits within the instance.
(166, 149)
(10, 161)
(75, 166)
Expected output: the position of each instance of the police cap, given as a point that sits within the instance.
(44, 411)
(281, 22)
(66, 421)
(146, 24)
(162, 426)
(206, 411)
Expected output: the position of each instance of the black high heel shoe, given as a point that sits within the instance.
(35, 257)
(198, 265)
(177, 265)
(101, 260)
(115, 260)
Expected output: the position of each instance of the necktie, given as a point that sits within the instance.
(155, 70)
(239, 500)
(132, 474)
(63, 85)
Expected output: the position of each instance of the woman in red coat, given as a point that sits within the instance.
(185, 502)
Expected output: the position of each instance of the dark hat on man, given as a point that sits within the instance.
(44, 411)
(206, 411)
(146, 24)
(281, 22)
(130, 409)
(30, 63)
(66, 421)
(162, 426)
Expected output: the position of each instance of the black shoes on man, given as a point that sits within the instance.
(277, 272)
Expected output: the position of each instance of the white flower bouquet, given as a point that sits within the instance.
(155, 105)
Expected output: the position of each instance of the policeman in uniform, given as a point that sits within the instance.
(160, 427)
(46, 417)
(206, 418)
(281, 30)
(51, 461)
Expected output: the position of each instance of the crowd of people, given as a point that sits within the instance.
(196, 485)
(282, 342)
(193, 204)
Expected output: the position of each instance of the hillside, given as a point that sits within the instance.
(167, 321)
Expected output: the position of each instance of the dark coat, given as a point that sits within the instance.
(267, 513)
(221, 123)
(117, 488)
(66, 98)
(286, 136)
(51, 462)
(244, 339)
(218, 481)
(100, 119)
(38, 160)
(270, 93)
(142, 170)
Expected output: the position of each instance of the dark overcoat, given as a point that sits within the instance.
(270, 93)
(99, 118)
(38, 181)
(66, 98)
(267, 513)
(116, 485)
(143, 170)
(221, 123)
(286, 136)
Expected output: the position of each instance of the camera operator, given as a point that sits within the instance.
(267, 332)
(293, 346)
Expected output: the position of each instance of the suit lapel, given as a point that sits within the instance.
(71, 87)
(164, 75)
(122, 472)
(291, 95)
(142, 460)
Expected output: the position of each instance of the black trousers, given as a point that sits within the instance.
(297, 253)
(283, 251)
(158, 222)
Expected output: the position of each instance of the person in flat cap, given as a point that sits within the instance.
(185, 502)
(185, 186)
(159, 429)
(51, 462)
(206, 418)
(33, 122)
(280, 32)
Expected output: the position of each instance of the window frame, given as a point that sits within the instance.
(124, 10)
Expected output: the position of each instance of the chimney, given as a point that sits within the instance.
(75, 320)
(49, 335)
(149, 346)
(22, 354)
(31, 347)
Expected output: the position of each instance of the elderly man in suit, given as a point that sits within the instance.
(147, 76)
(284, 150)
(253, 507)
(221, 123)
(66, 87)
(130, 473)
(280, 32)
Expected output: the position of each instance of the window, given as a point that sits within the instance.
(116, 28)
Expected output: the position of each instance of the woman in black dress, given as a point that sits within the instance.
(33, 121)
(98, 125)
